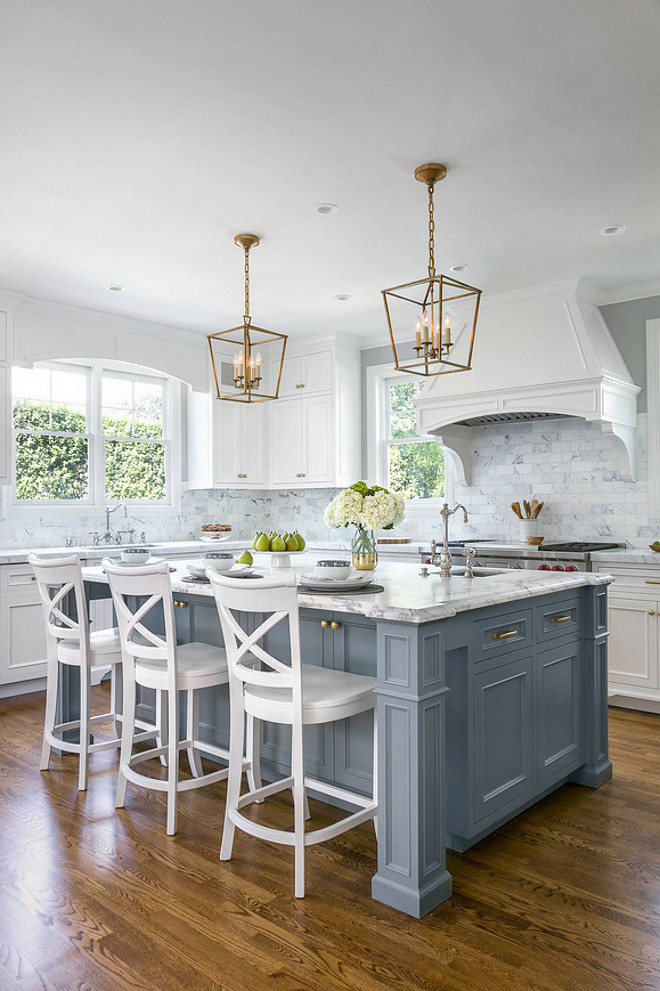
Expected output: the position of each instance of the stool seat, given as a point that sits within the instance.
(327, 695)
(104, 648)
(198, 666)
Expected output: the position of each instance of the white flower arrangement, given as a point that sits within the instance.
(372, 508)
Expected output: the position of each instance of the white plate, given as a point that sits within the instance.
(214, 540)
(199, 571)
(338, 584)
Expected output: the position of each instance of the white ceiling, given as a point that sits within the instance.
(138, 136)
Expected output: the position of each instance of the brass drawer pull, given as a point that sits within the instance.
(181, 605)
(334, 626)
(506, 635)
(651, 612)
(652, 581)
(325, 624)
(560, 619)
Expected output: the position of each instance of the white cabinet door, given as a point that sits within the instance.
(310, 373)
(285, 442)
(22, 640)
(240, 445)
(317, 436)
(633, 643)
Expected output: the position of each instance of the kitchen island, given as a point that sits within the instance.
(492, 693)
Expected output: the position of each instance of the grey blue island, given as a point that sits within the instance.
(492, 693)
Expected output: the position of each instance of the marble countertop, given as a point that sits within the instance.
(409, 598)
(626, 556)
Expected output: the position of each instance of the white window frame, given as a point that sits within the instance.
(96, 502)
(653, 415)
(379, 377)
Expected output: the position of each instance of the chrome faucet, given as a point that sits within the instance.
(110, 537)
(444, 558)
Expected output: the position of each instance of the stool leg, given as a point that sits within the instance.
(236, 724)
(127, 728)
(161, 728)
(172, 760)
(299, 807)
(253, 753)
(51, 705)
(116, 722)
(192, 733)
(85, 692)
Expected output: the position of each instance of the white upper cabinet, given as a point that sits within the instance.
(310, 436)
(307, 374)
(226, 443)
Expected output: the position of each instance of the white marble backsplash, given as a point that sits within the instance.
(568, 463)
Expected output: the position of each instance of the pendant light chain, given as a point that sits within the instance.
(431, 233)
(247, 285)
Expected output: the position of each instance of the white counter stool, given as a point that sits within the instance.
(70, 642)
(264, 688)
(155, 661)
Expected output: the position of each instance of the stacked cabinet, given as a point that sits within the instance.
(634, 651)
(22, 627)
(308, 437)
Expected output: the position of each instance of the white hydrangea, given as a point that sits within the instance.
(373, 512)
(345, 508)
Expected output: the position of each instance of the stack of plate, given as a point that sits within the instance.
(316, 583)
(197, 569)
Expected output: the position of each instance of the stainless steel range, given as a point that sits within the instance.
(567, 556)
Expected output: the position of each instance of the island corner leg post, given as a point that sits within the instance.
(597, 769)
(412, 875)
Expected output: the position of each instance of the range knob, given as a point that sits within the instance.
(557, 567)
(544, 567)
(571, 567)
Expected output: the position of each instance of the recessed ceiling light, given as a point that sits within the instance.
(613, 230)
(325, 209)
(458, 268)
(342, 297)
(115, 288)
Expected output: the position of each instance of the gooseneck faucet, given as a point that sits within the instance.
(444, 558)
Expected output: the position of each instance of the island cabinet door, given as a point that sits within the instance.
(354, 650)
(316, 648)
(504, 766)
(559, 692)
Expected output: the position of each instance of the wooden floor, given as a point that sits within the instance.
(567, 896)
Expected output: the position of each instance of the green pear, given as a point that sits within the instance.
(291, 542)
(256, 539)
(277, 544)
(300, 541)
(245, 558)
(263, 543)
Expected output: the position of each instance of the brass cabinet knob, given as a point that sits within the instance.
(651, 612)
(242, 475)
(301, 385)
(325, 624)
(334, 626)
(181, 605)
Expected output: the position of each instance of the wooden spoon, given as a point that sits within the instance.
(538, 510)
(528, 509)
(515, 506)
(535, 506)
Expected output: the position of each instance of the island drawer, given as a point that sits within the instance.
(18, 577)
(500, 634)
(558, 619)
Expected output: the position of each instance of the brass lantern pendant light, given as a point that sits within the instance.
(246, 375)
(439, 311)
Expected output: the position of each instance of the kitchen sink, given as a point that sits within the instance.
(459, 572)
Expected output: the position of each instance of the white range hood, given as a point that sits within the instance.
(544, 352)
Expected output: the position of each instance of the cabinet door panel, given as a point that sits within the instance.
(559, 711)
(354, 646)
(285, 443)
(503, 756)
(22, 641)
(317, 439)
(316, 372)
(253, 460)
(633, 643)
(228, 442)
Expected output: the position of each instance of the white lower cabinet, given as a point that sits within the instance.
(22, 629)
(634, 643)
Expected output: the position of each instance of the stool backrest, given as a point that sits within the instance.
(277, 599)
(59, 579)
(130, 586)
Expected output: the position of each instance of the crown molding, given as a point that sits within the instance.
(624, 294)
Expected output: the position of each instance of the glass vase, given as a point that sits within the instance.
(364, 550)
